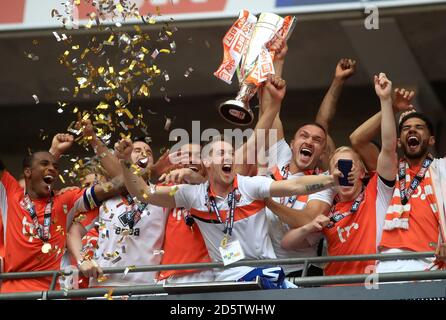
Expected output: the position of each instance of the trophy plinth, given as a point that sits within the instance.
(236, 112)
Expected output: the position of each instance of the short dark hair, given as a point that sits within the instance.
(418, 115)
(147, 140)
(29, 157)
(314, 124)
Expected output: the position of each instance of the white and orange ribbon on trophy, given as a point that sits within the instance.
(246, 50)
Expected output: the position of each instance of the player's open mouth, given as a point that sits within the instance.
(226, 168)
(142, 163)
(306, 153)
(48, 179)
(413, 141)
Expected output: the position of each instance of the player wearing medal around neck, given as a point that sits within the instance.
(36, 219)
(130, 233)
(412, 224)
(229, 208)
(305, 155)
(183, 241)
(354, 224)
(415, 219)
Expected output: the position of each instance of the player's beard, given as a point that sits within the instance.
(417, 155)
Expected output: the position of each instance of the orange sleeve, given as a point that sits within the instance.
(88, 218)
(10, 183)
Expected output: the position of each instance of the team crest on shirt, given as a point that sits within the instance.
(125, 218)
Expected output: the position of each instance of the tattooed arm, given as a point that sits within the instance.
(303, 185)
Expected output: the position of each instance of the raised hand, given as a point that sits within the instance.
(354, 174)
(345, 69)
(336, 174)
(279, 47)
(87, 128)
(167, 162)
(276, 87)
(183, 175)
(61, 143)
(383, 86)
(123, 149)
(402, 100)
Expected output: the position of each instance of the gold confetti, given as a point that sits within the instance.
(108, 295)
(173, 190)
(79, 218)
(102, 106)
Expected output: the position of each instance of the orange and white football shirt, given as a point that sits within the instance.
(359, 232)
(22, 248)
(182, 244)
(250, 225)
(276, 227)
(423, 223)
(119, 245)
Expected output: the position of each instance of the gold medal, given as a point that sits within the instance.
(46, 247)
(224, 241)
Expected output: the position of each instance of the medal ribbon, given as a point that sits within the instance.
(337, 216)
(43, 233)
(405, 194)
(229, 223)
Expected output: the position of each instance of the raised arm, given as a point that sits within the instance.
(303, 185)
(60, 144)
(107, 190)
(327, 110)
(160, 196)
(273, 93)
(361, 138)
(281, 48)
(361, 141)
(387, 159)
(108, 161)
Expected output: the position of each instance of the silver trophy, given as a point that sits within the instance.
(268, 25)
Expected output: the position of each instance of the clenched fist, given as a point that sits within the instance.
(276, 87)
(123, 149)
(61, 143)
(383, 86)
(345, 69)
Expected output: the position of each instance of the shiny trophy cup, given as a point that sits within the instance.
(256, 61)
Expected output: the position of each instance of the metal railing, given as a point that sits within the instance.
(165, 289)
